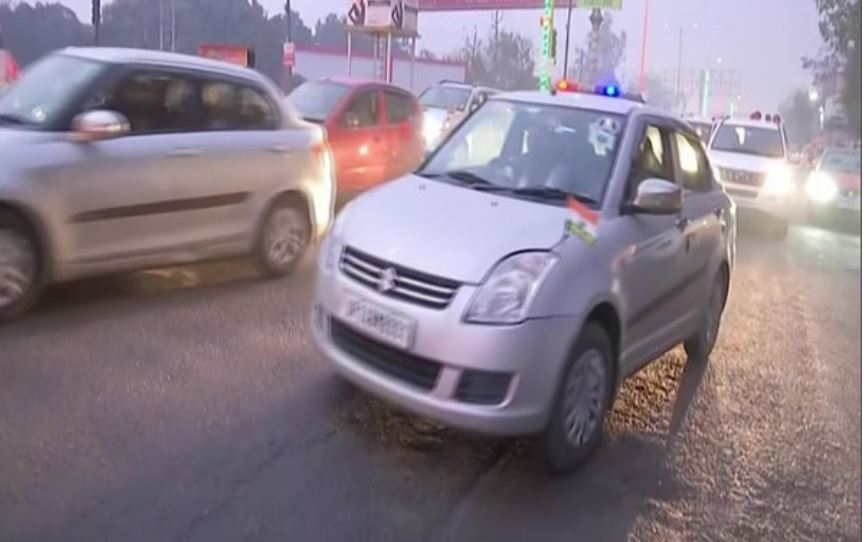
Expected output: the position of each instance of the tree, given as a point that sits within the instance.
(32, 31)
(801, 118)
(510, 61)
(611, 53)
(837, 68)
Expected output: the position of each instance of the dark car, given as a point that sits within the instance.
(375, 129)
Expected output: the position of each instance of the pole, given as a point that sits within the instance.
(388, 66)
(680, 66)
(567, 40)
(288, 8)
(412, 66)
(161, 28)
(349, 53)
(173, 25)
(643, 52)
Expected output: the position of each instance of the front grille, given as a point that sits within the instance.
(740, 192)
(416, 371)
(396, 281)
(483, 388)
(740, 176)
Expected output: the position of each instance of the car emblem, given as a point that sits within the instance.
(387, 280)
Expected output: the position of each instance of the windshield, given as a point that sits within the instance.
(841, 161)
(445, 98)
(749, 140)
(315, 100)
(46, 89)
(526, 147)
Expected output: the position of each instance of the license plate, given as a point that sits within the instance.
(378, 322)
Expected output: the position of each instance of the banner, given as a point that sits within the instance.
(485, 5)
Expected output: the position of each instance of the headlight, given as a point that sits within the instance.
(432, 131)
(820, 187)
(780, 181)
(507, 294)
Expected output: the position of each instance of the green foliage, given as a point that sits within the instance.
(611, 53)
(801, 118)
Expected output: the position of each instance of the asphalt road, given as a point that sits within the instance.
(190, 404)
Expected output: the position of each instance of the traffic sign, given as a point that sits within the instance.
(613, 5)
(288, 54)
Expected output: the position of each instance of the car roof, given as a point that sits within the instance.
(749, 123)
(618, 106)
(120, 55)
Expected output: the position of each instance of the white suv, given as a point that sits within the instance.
(751, 159)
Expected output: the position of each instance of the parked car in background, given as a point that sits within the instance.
(124, 159)
(446, 104)
(374, 129)
(834, 187)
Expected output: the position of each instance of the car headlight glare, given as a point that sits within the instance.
(432, 131)
(820, 187)
(780, 181)
(507, 294)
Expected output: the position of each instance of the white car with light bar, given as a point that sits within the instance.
(751, 161)
(510, 284)
(835, 184)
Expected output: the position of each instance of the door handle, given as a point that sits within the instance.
(280, 149)
(184, 153)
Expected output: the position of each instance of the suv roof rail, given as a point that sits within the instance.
(454, 82)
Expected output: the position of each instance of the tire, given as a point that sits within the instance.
(700, 345)
(590, 370)
(284, 235)
(21, 270)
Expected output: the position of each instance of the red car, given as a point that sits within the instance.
(375, 129)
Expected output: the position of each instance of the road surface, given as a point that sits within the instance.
(190, 405)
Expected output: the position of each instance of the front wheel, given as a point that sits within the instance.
(576, 422)
(283, 238)
(20, 278)
(701, 344)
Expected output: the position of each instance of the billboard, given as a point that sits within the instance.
(233, 54)
(484, 5)
(398, 16)
(615, 5)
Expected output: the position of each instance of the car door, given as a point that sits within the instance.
(238, 155)
(360, 150)
(112, 190)
(704, 206)
(651, 265)
(402, 131)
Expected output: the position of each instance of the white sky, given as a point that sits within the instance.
(762, 39)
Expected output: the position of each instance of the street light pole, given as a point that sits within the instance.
(643, 53)
(567, 40)
(679, 63)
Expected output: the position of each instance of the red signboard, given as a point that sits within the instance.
(234, 54)
(288, 54)
(484, 5)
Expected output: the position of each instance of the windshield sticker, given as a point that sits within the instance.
(582, 221)
(602, 135)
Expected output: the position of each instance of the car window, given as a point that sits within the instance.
(694, 169)
(399, 107)
(152, 102)
(444, 97)
(363, 111)
(652, 158)
(315, 100)
(233, 106)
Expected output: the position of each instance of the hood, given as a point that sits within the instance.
(748, 162)
(445, 230)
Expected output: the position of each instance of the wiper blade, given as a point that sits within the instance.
(8, 118)
(469, 177)
(554, 193)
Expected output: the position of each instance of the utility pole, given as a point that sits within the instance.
(679, 65)
(595, 19)
(173, 25)
(96, 19)
(643, 52)
(567, 40)
(497, 18)
(161, 27)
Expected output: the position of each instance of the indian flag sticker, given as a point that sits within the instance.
(582, 221)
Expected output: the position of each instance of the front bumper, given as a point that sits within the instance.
(532, 352)
(778, 206)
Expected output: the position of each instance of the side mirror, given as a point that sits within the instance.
(351, 119)
(99, 125)
(657, 197)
